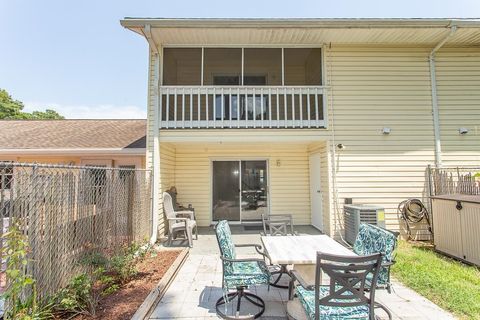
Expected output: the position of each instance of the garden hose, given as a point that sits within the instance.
(413, 211)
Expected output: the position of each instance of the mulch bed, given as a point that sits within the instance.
(122, 304)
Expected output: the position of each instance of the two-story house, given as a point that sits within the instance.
(251, 116)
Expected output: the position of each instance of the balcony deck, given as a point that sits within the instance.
(234, 107)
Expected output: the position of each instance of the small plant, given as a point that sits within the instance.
(102, 278)
(94, 259)
(82, 294)
(123, 264)
(21, 294)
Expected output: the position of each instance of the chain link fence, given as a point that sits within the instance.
(454, 180)
(67, 212)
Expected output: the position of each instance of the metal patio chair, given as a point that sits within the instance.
(239, 274)
(179, 220)
(345, 296)
(278, 225)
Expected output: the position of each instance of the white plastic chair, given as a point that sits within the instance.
(179, 220)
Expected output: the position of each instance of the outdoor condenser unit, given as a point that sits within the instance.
(354, 214)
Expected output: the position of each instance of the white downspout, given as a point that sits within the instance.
(435, 113)
(156, 154)
(156, 126)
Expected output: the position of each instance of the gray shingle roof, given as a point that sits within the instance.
(72, 134)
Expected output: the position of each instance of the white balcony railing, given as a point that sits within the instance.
(185, 107)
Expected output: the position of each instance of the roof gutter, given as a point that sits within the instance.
(433, 81)
(135, 23)
(74, 151)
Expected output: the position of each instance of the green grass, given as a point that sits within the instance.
(450, 284)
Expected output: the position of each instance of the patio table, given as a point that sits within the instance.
(301, 251)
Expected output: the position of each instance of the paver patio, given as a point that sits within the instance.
(197, 286)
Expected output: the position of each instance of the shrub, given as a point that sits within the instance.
(21, 294)
(81, 296)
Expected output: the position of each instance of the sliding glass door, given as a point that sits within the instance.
(240, 190)
(226, 190)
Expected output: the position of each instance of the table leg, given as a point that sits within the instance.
(307, 272)
(277, 275)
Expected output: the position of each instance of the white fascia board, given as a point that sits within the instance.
(76, 151)
(133, 23)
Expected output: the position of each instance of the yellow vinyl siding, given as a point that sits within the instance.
(167, 179)
(288, 183)
(458, 84)
(369, 87)
(372, 88)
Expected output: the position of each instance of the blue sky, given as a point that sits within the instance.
(75, 57)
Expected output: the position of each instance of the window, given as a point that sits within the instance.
(6, 175)
(303, 66)
(97, 180)
(182, 66)
(124, 174)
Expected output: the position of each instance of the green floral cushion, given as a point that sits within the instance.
(372, 239)
(307, 298)
(238, 273)
(224, 235)
(247, 273)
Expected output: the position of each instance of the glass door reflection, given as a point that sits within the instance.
(240, 190)
(254, 189)
(226, 190)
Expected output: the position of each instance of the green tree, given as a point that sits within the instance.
(13, 109)
(47, 114)
(9, 108)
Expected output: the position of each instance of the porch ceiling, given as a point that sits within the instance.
(428, 32)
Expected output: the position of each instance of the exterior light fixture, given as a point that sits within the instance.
(463, 130)
(341, 146)
(386, 130)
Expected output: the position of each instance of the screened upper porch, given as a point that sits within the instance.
(242, 88)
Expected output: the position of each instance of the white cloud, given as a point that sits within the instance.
(90, 112)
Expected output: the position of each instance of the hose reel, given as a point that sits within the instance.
(413, 211)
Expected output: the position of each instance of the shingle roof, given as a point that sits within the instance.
(72, 134)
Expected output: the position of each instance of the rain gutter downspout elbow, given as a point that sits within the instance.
(435, 112)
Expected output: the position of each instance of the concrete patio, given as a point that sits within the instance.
(197, 286)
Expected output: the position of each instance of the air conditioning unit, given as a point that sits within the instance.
(354, 214)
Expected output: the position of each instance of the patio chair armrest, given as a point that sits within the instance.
(185, 221)
(244, 245)
(185, 213)
(242, 260)
(388, 263)
(257, 247)
(295, 275)
(178, 218)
